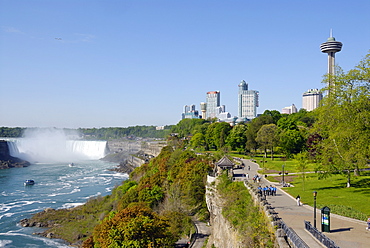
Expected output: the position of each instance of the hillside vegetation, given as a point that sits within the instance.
(151, 209)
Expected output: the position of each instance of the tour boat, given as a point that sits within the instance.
(29, 182)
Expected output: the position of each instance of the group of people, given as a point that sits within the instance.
(256, 179)
(267, 190)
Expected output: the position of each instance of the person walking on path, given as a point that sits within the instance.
(298, 198)
(368, 224)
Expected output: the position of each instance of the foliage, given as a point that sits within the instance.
(253, 128)
(11, 132)
(239, 210)
(100, 133)
(186, 127)
(135, 226)
(343, 121)
(120, 132)
(267, 137)
(217, 133)
(237, 138)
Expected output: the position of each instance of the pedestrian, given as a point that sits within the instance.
(368, 224)
(249, 167)
(247, 175)
(298, 198)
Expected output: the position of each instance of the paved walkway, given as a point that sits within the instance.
(345, 232)
(200, 236)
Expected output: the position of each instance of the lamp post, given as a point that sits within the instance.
(283, 174)
(314, 208)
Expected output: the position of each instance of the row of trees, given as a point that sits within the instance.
(99, 133)
(268, 132)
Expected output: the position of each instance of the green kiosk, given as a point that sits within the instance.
(325, 219)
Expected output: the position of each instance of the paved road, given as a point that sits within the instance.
(345, 232)
(201, 235)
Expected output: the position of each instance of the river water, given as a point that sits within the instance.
(57, 185)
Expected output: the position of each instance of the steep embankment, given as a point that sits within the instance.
(7, 161)
(235, 220)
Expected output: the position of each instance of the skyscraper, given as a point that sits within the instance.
(212, 102)
(311, 99)
(247, 101)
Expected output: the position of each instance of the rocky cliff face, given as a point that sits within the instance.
(223, 234)
(7, 161)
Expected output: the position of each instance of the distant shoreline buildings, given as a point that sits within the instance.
(289, 110)
(212, 108)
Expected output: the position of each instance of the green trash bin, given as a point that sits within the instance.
(325, 219)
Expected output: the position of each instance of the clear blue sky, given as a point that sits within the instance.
(117, 63)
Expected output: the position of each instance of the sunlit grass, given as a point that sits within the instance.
(332, 192)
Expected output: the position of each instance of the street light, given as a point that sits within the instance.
(314, 208)
(283, 174)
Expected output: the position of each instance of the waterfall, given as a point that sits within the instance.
(89, 149)
(41, 150)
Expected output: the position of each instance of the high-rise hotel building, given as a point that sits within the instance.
(247, 101)
(311, 99)
(212, 104)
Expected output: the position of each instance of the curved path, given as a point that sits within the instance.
(345, 232)
(201, 235)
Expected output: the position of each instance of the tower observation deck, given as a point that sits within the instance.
(331, 47)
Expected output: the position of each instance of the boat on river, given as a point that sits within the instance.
(29, 182)
(71, 165)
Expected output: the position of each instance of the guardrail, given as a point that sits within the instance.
(319, 235)
(292, 236)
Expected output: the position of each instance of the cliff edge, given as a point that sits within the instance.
(7, 161)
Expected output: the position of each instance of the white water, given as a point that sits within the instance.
(49, 150)
(57, 186)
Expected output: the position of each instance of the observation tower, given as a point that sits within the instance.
(331, 47)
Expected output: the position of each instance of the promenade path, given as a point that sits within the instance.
(345, 232)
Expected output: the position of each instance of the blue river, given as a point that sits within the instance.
(57, 185)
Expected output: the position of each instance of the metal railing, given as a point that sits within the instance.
(319, 235)
(292, 235)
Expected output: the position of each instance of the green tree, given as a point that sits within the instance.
(253, 128)
(267, 137)
(237, 137)
(217, 133)
(135, 226)
(291, 141)
(343, 121)
(276, 115)
(302, 166)
(186, 127)
(198, 141)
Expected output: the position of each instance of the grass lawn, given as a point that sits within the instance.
(332, 192)
(276, 165)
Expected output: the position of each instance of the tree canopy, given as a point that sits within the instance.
(343, 121)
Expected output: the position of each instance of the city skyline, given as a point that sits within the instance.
(125, 63)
